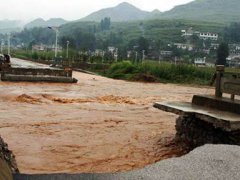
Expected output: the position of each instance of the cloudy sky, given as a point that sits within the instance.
(72, 9)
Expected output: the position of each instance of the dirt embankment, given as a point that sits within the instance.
(96, 125)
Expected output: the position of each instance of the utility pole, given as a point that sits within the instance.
(2, 46)
(67, 48)
(103, 53)
(143, 54)
(8, 35)
(136, 56)
(56, 40)
(56, 43)
(116, 55)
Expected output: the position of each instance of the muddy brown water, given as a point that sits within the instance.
(96, 125)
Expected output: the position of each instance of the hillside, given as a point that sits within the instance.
(42, 23)
(206, 10)
(159, 30)
(122, 12)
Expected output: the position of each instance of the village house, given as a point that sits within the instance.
(200, 61)
(208, 35)
(201, 35)
(234, 49)
(214, 46)
(189, 32)
(233, 61)
(40, 47)
(99, 52)
(43, 47)
(166, 53)
(111, 49)
(182, 46)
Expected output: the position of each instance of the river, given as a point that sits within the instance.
(96, 125)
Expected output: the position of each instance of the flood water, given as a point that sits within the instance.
(96, 125)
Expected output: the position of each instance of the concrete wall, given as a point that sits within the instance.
(30, 71)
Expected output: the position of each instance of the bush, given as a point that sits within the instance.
(35, 56)
(164, 72)
(122, 70)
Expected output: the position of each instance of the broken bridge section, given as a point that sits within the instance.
(37, 75)
(198, 125)
(21, 70)
(209, 119)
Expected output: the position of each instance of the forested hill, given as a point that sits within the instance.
(122, 12)
(206, 10)
(122, 33)
(223, 11)
(42, 23)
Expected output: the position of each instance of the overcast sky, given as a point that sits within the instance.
(72, 9)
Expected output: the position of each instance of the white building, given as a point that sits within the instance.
(200, 61)
(111, 49)
(233, 61)
(214, 46)
(187, 33)
(234, 49)
(182, 46)
(201, 35)
(166, 53)
(98, 52)
(208, 35)
(40, 47)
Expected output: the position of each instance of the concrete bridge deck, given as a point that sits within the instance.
(222, 113)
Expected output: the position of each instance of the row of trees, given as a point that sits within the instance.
(232, 33)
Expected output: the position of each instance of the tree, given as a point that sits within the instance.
(63, 42)
(232, 33)
(142, 44)
(105, 23)
(222, 54)
(83, 39)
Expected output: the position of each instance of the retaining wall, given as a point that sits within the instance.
(196, 132)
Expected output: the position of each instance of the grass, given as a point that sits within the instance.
(23, 54)
(163, 72)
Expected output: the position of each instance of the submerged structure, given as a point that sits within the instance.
(34, 73)
(209, 119)
(38, 75)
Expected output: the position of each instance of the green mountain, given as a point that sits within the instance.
(159, 32)
(122, 12)
(7, 26)
(206, 10)
(42, 23)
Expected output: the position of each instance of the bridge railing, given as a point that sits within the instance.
(226, 83)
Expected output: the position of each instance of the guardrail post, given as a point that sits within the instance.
(219, 74)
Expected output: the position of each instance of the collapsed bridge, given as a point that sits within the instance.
(209, 119)
(20, 70)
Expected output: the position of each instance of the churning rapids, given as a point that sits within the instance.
(96, 125)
